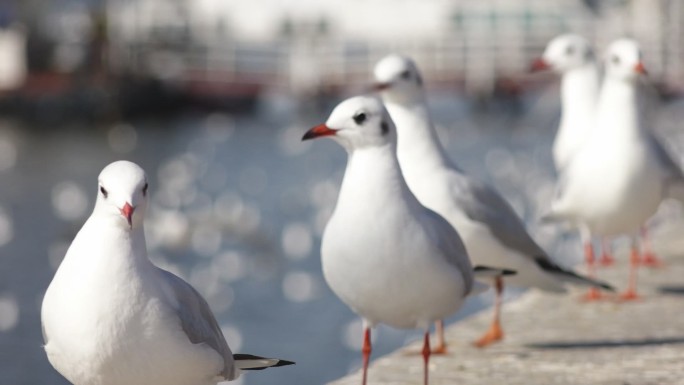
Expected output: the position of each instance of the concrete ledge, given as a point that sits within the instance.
(560, 340)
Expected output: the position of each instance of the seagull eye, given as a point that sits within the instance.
(570, 50)
(406, 75)
(103, 191)
(360, 118)
(615, 59)
(384, 127)
(145, 189)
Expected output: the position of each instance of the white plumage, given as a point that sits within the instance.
(386, 256)
(110, 317)
(492, 232)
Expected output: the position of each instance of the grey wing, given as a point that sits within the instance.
(672, 169)
(448, 240)
(481, 203)
(198, 322)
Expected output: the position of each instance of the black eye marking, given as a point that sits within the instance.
(589, 54)
(615, 59)
(569, 50)
(145, 189)
(384, 127)
(360, 118)
(406, 75)
(103, 191)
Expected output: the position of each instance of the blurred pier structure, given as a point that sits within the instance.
(309, 46)
(127, 56)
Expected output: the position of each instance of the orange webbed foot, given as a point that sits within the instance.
(494, 334)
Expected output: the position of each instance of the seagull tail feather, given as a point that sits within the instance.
(491, 272)
(252, 362)
(570, 276)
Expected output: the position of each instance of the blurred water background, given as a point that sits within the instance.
(238, 202)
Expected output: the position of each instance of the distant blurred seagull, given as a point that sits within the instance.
(111, 317)
(616, 181)
(572, 57)
(492, 232)
(386, 256)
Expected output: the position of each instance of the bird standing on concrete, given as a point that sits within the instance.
(111, 317)
(616, 181)
(572, 57)
(492, 232)
(386, 256)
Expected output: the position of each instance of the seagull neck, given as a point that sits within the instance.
(579, 93)
(119, 245)
(373, 176)
(618, 109)
(417, 137)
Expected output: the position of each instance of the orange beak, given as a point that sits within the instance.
(127, 212)
(539, 65)
(640, 69)
(319, 131)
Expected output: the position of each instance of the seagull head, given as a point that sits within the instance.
(623, 60)
(122, 193)
(398, 80)
(565, 53)
(356, 123)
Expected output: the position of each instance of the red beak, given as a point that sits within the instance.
(640, 69)
(127, 211)
(539, 65)
(381, 86)
(318, 131)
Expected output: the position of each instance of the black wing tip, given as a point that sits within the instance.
(551, 267)
(246, 357)
(283, 363)
(501, 272)
(606, 287)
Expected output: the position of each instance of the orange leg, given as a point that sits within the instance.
(495, 332)
(593, 294)
(606, 253)
(631, 293)
(426, 356)
(366, 350)
(649, 258)
(441, 341)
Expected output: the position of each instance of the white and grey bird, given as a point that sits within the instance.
(572, 57)
(387, 257)
(493, 233)
(620, 175)
(111, 317)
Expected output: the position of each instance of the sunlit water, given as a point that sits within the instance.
(238, 206)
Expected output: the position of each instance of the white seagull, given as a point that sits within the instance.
(620, 175)
(386, 256)
(493, 233)
(111, 317)
(572, 57)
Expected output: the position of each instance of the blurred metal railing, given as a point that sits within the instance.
(306, 66)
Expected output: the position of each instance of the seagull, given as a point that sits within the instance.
(616, 181)
(111, 317)
(387, 257)
(572, 57)
(492, 232)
